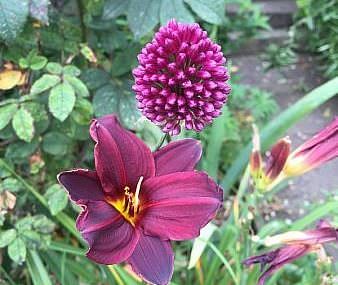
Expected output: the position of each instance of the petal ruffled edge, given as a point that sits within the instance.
(81, 185)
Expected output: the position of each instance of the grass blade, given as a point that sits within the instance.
(37, 270)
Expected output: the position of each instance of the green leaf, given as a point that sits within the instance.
(13, 15)
(79, 87)
(54, 68)
(42, 224)
(37, 270)
(277, 127)
(143, 16)
(57, 198)
(216, 139)
(209, 11)
(175, 9)
(95, 78)
(21, 150)
(200, 244)
(315, 215)
(125, 60)
(114, 8)
(106, 100)
(17, 250)
(23, 125)
(71, 70)
(6, 237)
(129, 114)
(55, 143)
(44, 83)
(6, 114)
(83, 111)
(11, 184)
(38, 62)
(61, 101)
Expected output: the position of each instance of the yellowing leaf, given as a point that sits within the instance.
(10, 78)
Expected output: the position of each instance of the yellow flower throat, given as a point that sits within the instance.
(128, 205)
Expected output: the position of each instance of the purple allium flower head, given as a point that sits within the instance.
(181, 77)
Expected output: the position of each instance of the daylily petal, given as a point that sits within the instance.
(121, 157)
(108, 162)
(283, 256)
(82, 185)
(310, 237)
(182, 155)
(277, 158)
(314, 152)
(153, 260)
(110, 237)
(176, 206)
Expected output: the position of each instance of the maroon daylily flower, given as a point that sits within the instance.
(296, 245)
(136, 202)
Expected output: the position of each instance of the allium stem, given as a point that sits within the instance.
(165, 137)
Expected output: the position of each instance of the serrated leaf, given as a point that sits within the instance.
(95, 78)
(10, 78)
(23, 125)
(114, 8)
(55, 143)
(128, 111)
(71, 70)
(61, 101)
(6, 114)
(79, 87)
(39, 10)
(42, 224)
(11, 184)
(21, 150)
(57, 198)
(175, 9)
(54, 68)
(38, 62)
(209, 11)
(44, 83)
(143, 16)
(83, 111)
(13, 15)
(125, 60)
(106, 100)
(6, 237)
(17, 250)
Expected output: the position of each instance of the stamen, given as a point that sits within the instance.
(137, 192)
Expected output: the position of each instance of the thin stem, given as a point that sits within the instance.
(82, 24)
(223, 259)
(116, 275)
(165, 137)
